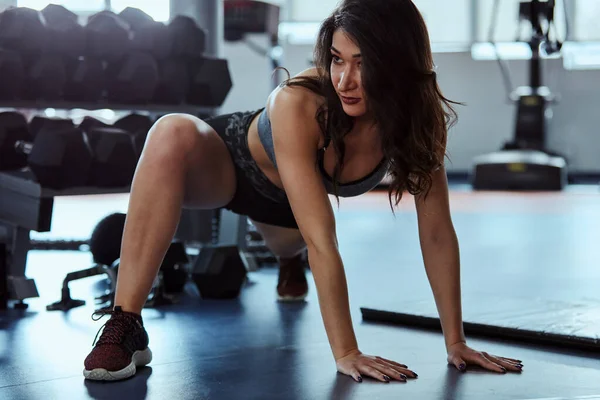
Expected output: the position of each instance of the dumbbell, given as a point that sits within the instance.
(219, 272)
(12, 75)
(132, 79)
(58, 159)
(115, 157)
(23, 30)
(204, 81)
(40, 124)
(86, 80)
(107, 35)
(65, 35)
(187, 38)
(210, 81)
(148, 35)
(138, 125)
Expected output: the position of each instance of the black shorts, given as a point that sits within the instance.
(255, 196)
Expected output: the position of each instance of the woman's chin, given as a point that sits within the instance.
(354, 110)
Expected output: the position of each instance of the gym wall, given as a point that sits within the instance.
(485, 123)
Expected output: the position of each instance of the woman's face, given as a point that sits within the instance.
(345, 74)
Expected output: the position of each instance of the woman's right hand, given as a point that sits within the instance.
(358, 364)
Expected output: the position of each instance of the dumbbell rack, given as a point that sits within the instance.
(27, 206)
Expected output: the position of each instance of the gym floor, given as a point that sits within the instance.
(537, 254)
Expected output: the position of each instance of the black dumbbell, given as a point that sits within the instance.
(210, 83)
(107, 35)
(138, 125)
(174, 84)
(46, 78)
(39, 124)
(65, 35)
(91, 122)
(187, 38)
(86, 80)
(219, 272)
(115, 157)
(133, 79)
(148, 35)
(23, 30)
(59, 158)
(12, 75)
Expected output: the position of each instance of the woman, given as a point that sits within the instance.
(370, 107)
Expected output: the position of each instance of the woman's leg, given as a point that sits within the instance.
(288, 246)
(184, 163)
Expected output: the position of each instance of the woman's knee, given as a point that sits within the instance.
(174, 135)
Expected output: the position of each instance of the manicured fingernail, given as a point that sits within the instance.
(462, 367)
(403, 376)
(503, 369)
(416, 376)
(360, 378)
(387, 378)
(519, 366)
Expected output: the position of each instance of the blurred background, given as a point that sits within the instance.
(466, 61)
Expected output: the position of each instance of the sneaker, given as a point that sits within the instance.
(292, 284)
(122, 347)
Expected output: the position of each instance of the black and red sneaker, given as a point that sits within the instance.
(122, 347)
(292, 285)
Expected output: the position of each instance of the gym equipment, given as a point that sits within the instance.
(485, 330)
(147, 35)
(174, 82)
(115, 157)
(172, 269)
(23, 30)
(13, 130)
(219, 272)
(65, 35)
(40, 124)
(525, 164)
(138, 125)
(105, 241)
(249, 16)
(58, 159)
(105, 246)
(63, 156)
(12, 75)
(187, 38)
(86, 80)
(108, 36)
(46, 79)
(211, 82)
(91, 122)
(132, 80)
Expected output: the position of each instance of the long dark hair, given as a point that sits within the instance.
(398, 77)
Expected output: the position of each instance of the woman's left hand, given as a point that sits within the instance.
(460, 355)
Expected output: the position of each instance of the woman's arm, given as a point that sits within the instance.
(296, 138)
(439, 246)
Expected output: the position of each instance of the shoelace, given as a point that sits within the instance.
(114, 329)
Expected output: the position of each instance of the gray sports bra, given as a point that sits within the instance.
(348, 189)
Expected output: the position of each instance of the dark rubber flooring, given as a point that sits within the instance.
(540, 251)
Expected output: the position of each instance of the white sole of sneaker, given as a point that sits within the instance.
(139, 359)
(291, 299)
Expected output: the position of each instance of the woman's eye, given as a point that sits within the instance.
(336, 59)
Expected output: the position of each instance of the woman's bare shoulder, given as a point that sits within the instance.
(296, 95)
